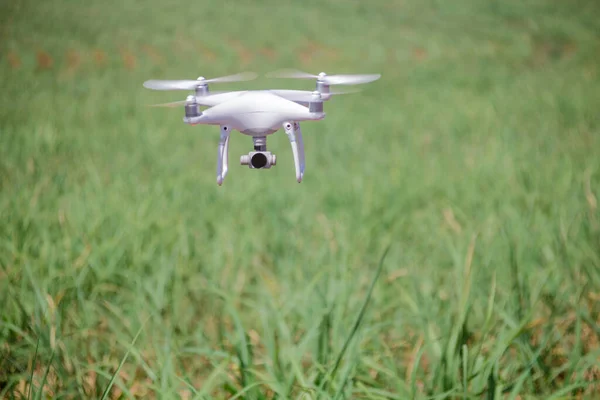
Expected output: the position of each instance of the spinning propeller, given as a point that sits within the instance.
(189, 100)
(298, 96)
(306, 96)
(192, 84)
(347, 79)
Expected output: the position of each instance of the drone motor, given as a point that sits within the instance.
(315, 105)
(202, 87)
(191, 108)
(322, 86)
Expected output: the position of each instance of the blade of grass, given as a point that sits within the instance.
(357, 323)
(465, 372)
(563, 393)
(340, 391)
(41, 389)
(209, 383)
(413, 375)
(29, 394)
(114, 375)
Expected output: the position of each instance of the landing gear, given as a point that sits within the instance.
(261, 158)
(223, 155)
(294, 133)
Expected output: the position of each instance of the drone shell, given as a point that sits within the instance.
(256, 112)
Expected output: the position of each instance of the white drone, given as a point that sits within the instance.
(257, 113)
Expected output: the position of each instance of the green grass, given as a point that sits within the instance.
(126, 271)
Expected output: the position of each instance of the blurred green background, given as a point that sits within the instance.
(126, 272)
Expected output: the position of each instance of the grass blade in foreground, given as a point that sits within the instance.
(329, 378)
(114, 376)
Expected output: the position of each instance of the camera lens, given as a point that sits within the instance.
(259, 160)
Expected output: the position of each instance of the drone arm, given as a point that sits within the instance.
(292, 130)
(223, 155)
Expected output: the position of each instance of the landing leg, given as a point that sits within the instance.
(292, 130)
(300, 146)
(223, 155)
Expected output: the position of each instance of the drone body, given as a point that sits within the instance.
(254, 113)
(257, 113)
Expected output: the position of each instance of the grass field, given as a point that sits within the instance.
(126, 272)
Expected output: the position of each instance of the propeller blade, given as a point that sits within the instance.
(170, 84)
(172, 104)
(306, 96)
(291, 73)
(188, 84)
(350, 79)
(241, 77)
(200, 100)
(347, 79)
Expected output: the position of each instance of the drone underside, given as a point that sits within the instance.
(257, 113)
